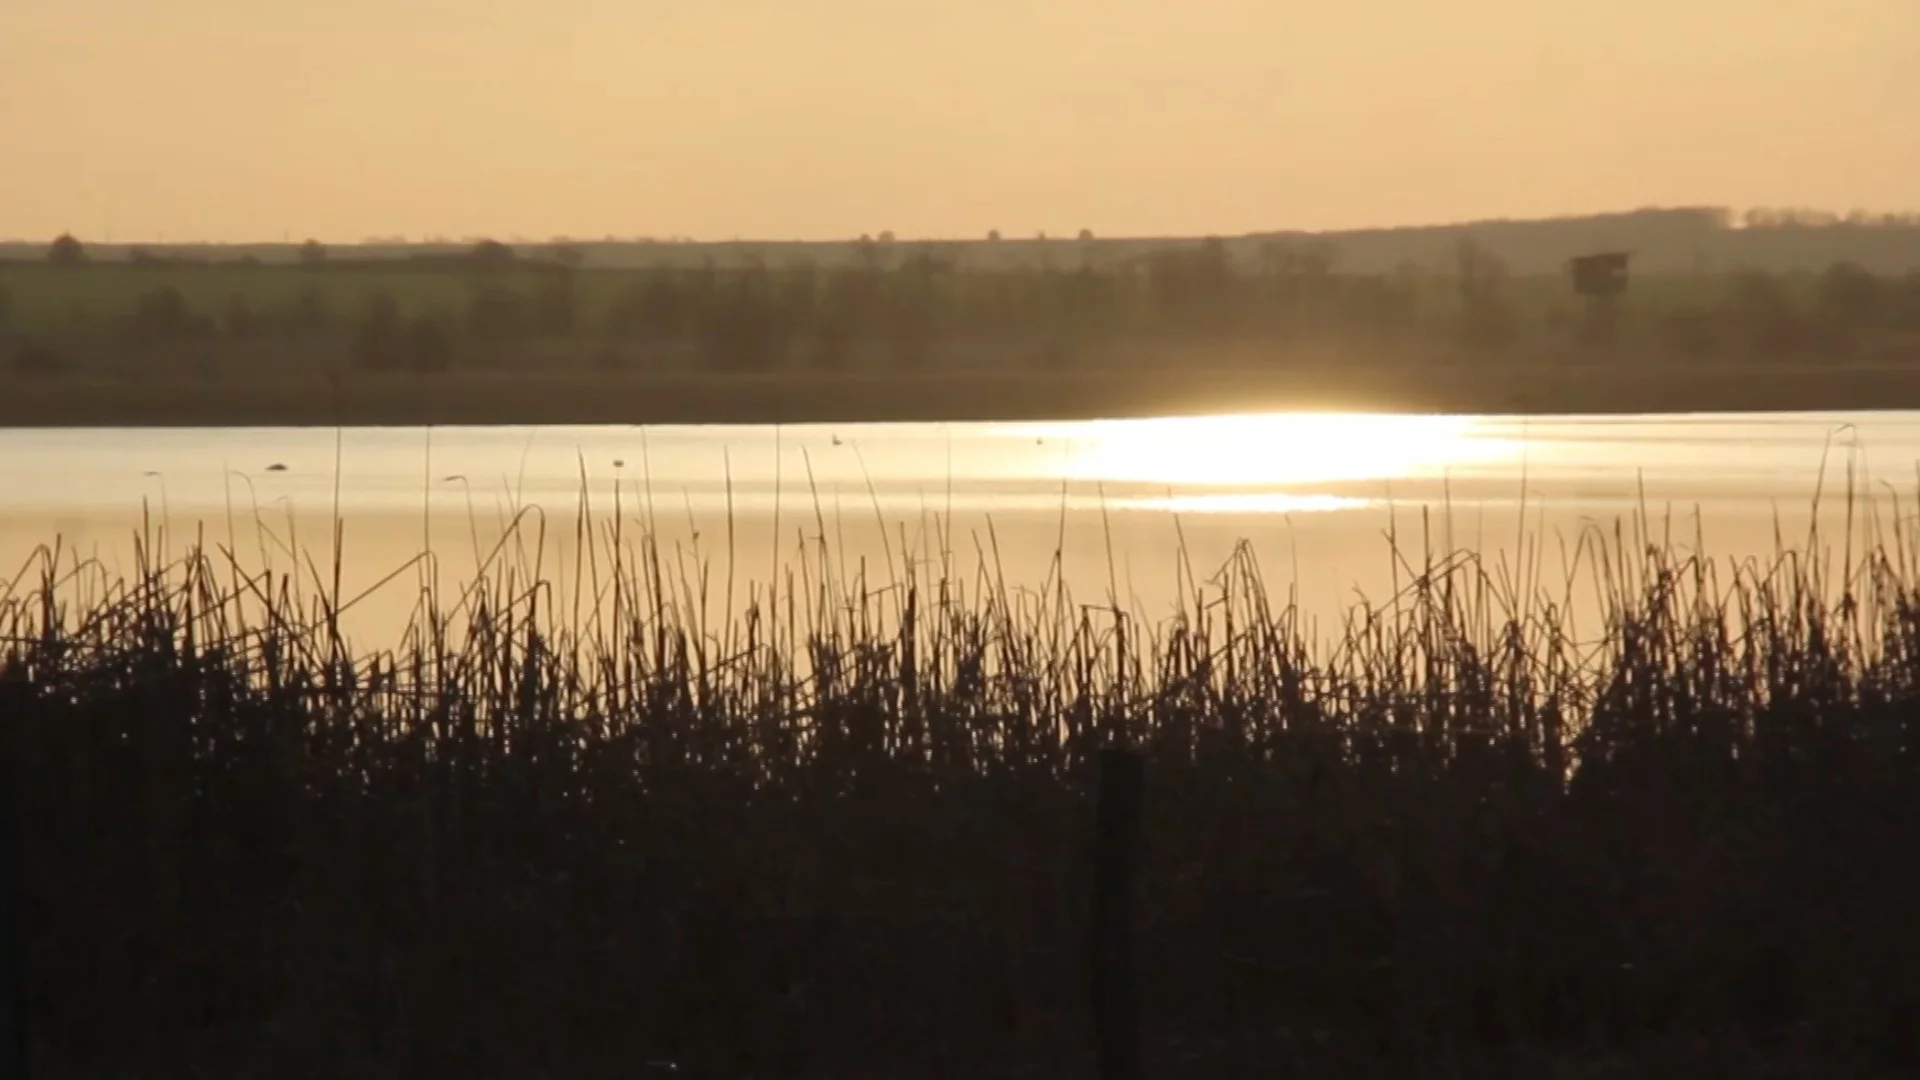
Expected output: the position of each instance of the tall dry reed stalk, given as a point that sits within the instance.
(552, 834)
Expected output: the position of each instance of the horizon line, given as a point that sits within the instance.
(1727, 217)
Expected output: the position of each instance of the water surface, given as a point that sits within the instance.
(1124, 510)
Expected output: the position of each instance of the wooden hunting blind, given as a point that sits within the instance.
(1602, 275)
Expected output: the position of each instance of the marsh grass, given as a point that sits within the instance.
(564, 829)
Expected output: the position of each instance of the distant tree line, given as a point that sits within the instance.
(1801, 218)
(907, 307)
(1664, 240)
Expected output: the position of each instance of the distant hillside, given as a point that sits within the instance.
(1685, 240)
(1663, 241)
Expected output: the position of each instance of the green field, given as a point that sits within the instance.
(46, 301)
(909, 316)
(916, 297)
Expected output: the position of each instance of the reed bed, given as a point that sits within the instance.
(569, 831)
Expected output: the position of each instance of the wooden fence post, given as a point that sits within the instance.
(1116, 846)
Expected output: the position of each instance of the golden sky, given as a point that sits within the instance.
(223, 119)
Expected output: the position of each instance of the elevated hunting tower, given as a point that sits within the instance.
(1600, 276)
(1602, 279)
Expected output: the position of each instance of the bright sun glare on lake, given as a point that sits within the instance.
(1275, 449)
(1248, 463)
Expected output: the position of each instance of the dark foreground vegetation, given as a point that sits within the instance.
(849, 834)
(879, 327)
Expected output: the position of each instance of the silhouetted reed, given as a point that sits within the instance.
(848, 832)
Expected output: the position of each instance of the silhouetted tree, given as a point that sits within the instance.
(1079, 307)
(1692, 331)
(850, 307)
(311, 314)
(1772, 326)
(66, 251)
(1906, 301)
(1296, 287)
(312, 253)
(144, 259)
(993, 236)
(831, 342)
(554, 308)
(1850, 293)
(237, 319)
(911, 308)
(800, 292)
(491, 255)
(498, 313)
(1169, 286)
(1485, 318)
(741, 330)
(1086, 236)
(162, 314)
(1479, 271)
(1377, 305)
(429, 344)
(1210, 286)
(378, 345)
(654, 312)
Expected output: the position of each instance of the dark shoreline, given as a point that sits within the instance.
(587, 398)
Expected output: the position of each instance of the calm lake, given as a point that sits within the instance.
(1131, 511)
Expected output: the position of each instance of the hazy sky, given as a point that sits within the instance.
(224, 119)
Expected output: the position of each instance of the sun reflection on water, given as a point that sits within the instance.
(1271, 450)
(1251, 502)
